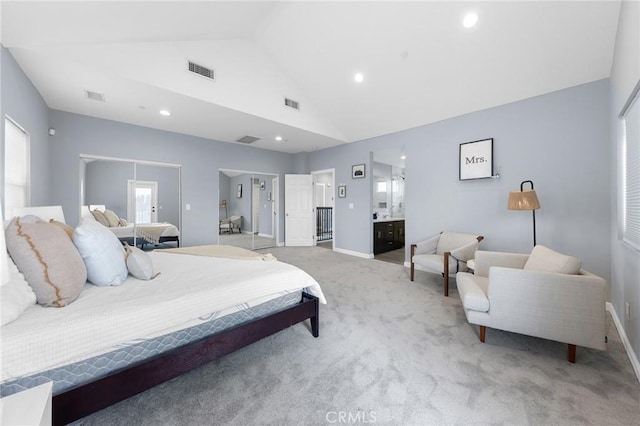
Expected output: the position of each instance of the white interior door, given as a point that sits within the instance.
(142, 204)
(298, 208)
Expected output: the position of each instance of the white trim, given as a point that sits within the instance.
(625, 340)
(129, 160)
(354, 253)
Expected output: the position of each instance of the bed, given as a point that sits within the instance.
(114, 342)
(149, 233)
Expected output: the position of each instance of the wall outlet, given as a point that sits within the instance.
(627, 311)
(187, 207)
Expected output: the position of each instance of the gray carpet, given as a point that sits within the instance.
(391, 352)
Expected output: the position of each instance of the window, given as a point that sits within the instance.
(631, 173)
(16, 167)
(382, 186)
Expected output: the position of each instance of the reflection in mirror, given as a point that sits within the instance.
(247, 215)
(388, 184)
(139, 201)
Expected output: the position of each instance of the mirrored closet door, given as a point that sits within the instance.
(139, 200)
(248, 209)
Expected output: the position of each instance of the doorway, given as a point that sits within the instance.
(142, 201)
(324, 207)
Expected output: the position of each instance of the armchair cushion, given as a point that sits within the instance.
(435, 263)
(473, 291)
(450, 241)
(428, 246)
(546, 260)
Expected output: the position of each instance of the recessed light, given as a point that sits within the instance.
(404, 157)
(165, 112)
(358, 77)
(470, 19)
(278, 138)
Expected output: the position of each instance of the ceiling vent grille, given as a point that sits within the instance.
(202, 71)
(291, 103)
(95, 96)
(247, 139)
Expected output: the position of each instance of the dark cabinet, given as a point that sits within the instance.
(388, 236)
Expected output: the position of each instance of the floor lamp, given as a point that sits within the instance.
(223, 205)
(525, 200)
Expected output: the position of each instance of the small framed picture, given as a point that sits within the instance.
(342, 191)
(476, 159)
(268, 196)
(357, 171)
(239, 191)
(262, 185)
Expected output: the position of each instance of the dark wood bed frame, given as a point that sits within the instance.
(83, 400)
(142, 241)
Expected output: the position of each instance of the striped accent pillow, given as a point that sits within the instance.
(47, 258)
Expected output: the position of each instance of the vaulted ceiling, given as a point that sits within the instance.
(419, 63)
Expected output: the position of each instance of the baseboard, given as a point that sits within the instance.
(265, 235)
(354, 253)
(625, 340)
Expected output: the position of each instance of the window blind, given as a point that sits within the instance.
(631, 228)
(16, 167)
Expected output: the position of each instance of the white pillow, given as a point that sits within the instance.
(102, 253)
(543, 259)
(139, 263)
(16, 295)
(112, 218)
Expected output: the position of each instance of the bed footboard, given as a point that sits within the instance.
(103, 392)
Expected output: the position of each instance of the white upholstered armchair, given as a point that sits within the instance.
(544, 294)
(446, 253)
(231, 223)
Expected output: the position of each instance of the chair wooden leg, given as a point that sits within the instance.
(571, 356)
(446, 273)
(412, 269)
(483, 333)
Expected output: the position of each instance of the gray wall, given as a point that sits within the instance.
(625, 261)
(22, 102)
(200, 160)
(243, 206)
(224, 193)
(558, 140)
(265, 227)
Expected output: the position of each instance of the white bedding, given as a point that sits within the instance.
(189, 287)
(127, 231)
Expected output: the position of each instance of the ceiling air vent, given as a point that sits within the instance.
(95, 96)
(202, 71)
(247, 139)
(291, 103)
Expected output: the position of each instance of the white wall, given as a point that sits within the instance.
(625, 261)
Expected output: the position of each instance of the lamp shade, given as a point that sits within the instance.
(523, 200)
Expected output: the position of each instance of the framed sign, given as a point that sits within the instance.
(342, 191)
(239, 191)
(476, 159)
(262, 185)
(357, 171)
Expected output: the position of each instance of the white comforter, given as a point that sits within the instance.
(189, 287)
